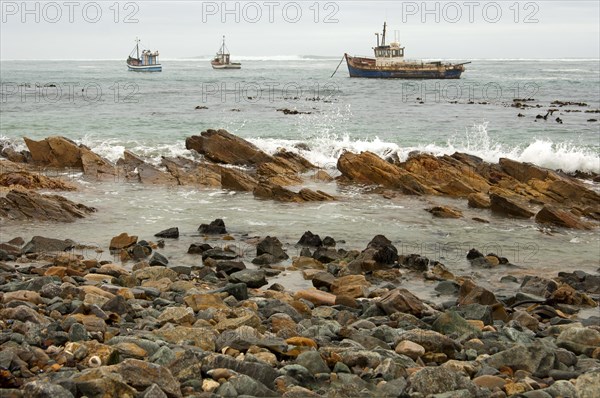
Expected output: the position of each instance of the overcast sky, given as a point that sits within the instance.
(185, 29)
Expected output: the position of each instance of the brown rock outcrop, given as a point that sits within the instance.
(237, 180)
(28, 180)
(54, 152)
(223, 147)
(188, 172)
(28, 205)
(96, 166)
(267, 190)
(368, 168)
(554, 216)
(503, 205)
(444, 212)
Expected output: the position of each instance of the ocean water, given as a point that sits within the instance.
(101, 104)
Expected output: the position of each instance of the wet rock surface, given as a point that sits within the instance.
(74, 327)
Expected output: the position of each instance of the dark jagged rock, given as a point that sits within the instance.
(39, 244)
(171, 233)
(216, 227)
(271, 245)
(310, 239)
(385, 252)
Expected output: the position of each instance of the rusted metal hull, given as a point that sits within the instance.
(366, 67)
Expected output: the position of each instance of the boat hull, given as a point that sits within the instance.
(365, 67)
(145, 68)
(226, 66)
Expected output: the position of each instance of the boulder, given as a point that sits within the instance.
(310, 239)
(368, 168)
(55, 151)
(444, 212)
(509, 207)
(122, 241)
(523, 172)
(96, 166)
(138, 170)
(478, 200)
(171, 233)
(271, 245)
(354, 286)
(401, 300)
(222, 147)
(40, 244)
(237, 180)
(189, 172)
(551, 215)
(437, 380)
(253, 278)
(216, 227)
(28, 180)
(21, 204)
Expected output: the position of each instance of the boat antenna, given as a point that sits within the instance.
(383, 36)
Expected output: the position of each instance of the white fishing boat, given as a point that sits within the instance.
(222, 59)
(147, 61)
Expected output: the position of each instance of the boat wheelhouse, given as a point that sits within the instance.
(147, 61)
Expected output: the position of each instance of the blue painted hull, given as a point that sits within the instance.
(145, 68)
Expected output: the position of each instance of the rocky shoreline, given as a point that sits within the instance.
(74, 326)
(145, 325)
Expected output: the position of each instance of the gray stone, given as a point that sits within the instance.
(258, 371)
(312, 361)
(476, 312)
(561, 388)
(450, 288)
(435, 380)
(271, 245)
(588, 385)
(172, 233)
(579, 340)
(253, 278)
(535, 358)
(163, 356)
(158, 259)
(40, 389)
(153, 391)
(451, 322)
(245, 385)
(77, 332)
(39, 244)
(392, 389)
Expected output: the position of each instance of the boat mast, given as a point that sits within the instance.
(137, 47)
(383, 36)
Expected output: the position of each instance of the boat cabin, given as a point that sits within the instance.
(386, 55)
(149, 58)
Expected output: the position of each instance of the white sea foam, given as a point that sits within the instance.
(325, 150)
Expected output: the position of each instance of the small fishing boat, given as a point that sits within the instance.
(389, 63)
(222, 59)
(147, 62)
